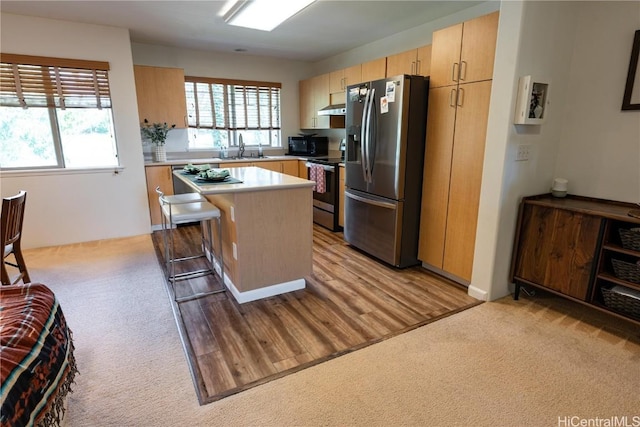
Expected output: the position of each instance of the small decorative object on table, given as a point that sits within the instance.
(157, 134)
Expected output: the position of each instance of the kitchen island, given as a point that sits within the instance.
(267, 230)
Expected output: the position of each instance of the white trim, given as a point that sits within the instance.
(256, 294)
(267, 291)
(477, 293)
(60, 171)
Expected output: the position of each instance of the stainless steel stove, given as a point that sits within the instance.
(326, 204)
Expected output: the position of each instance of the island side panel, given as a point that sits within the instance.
(225, 202)
(274, 231)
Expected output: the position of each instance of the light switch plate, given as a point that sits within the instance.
(523, 152)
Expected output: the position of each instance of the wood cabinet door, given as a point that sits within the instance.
(321, 98)
(336, 81)
(479, 48)
(401, 63)
(307, 104)
(157, 176)
(436, 175)
(445, 56)
(467, 161)
(352, 76)
(556, 249)
(275, 166)
(290, 167)
(424, 61)
(374, 70)
(161, 95)
(303, 171)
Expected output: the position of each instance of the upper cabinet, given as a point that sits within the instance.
(314, 95)
(374, 70)
(161, 95)
(414, 62)
(465, 52)
(340, 79)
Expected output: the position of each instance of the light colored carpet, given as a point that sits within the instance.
(504, 363)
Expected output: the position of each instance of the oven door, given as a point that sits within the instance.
(325, 204)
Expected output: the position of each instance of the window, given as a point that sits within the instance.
(220, 110)
(55, 113)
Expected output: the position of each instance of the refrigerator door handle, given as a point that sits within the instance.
(371, 140)
(385, 205)
(363, 138)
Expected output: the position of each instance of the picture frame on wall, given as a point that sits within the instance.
(532, 101)
(631, 98)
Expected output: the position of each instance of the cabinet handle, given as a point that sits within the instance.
(452, 98)
(463, 70)
(454, 73)
(460, 97)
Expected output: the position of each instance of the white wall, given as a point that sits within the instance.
(583, 50)
(599, 145)
(66, 207)
(231, 66)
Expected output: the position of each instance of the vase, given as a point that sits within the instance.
(160, 154)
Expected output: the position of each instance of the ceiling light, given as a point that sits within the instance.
(263, 14)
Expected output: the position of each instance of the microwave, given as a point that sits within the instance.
(306, 145)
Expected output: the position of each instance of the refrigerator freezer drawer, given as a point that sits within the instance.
(373, 225)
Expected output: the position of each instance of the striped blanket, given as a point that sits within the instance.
(36, 352)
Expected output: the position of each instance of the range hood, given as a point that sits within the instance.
(333, 110)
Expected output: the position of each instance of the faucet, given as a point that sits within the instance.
(240, 146)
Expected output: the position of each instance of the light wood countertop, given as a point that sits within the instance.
(253, 179)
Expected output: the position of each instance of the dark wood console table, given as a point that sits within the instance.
(572, 247)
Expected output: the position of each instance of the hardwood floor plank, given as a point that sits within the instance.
(272, 333)
(244, 356)
(216, 375)
(350, 301)
(202, 340)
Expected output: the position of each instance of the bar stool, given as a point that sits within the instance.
(186, 208)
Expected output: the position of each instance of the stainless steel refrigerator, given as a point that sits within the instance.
(384, 156)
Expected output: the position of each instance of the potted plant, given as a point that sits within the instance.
(157, 134)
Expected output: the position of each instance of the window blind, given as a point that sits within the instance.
(36, 81)
(232, 105)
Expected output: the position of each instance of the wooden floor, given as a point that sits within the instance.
(350, 301)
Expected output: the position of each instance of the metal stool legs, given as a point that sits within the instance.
(182, 209)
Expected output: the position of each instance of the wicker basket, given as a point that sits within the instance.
(630, 238)
(621, 302)
(626, 270)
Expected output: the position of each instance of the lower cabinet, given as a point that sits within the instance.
(585, 249)
(288, 167)
(157, 176)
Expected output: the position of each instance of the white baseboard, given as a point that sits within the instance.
(267, 291)
(477, 293)
(256, 294)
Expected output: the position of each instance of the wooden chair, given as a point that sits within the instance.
(11, 236)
